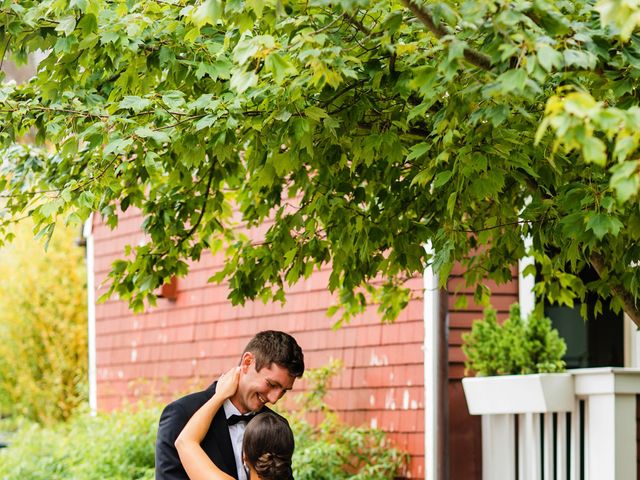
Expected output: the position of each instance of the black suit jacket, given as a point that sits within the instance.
(216, 443)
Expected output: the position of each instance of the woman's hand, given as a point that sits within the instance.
(228, 383)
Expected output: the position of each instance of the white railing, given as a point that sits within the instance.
(580, 425)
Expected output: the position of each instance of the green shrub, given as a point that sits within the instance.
(43, 326)
(335, 451)
(120, 446)
(515, 347)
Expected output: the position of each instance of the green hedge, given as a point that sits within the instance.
(117, 446)
(120, 446)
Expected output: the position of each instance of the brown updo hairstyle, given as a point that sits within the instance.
(268, 446)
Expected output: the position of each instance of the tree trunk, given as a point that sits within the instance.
(630, 305)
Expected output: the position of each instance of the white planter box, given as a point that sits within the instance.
(536, 393)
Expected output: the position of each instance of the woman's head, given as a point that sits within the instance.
(268, 446)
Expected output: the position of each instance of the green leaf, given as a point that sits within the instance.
(580, 59)
(66, 25)
(256, 6)
(624, 180)
(173, 99)
(513, 80)
(118, 146)
(241, 80)
(594, 151)
(451, 203)
(208, 12)
(109, 37)
(315, 113)
(581, 105)
(623, 17)
(206, 122)
(86, 199)
(280, 67)
(418, 150)
(137, 104)
(192, 35)
(549, 58)
(602, 224)
(245, 49)
(203, 102)
(442, 178)
(158, 136)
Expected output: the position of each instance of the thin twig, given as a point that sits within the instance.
(472, 56)
(4, 51)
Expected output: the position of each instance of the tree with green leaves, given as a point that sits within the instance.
(43, 327)
(363, 129)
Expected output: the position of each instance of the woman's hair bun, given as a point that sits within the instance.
(270, 466)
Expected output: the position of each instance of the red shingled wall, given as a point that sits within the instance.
(465, 435)
(184, 344)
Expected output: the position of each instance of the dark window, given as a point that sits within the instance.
(597, 341)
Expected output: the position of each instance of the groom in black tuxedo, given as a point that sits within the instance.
(269, 365)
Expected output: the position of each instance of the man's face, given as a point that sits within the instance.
(257, 388)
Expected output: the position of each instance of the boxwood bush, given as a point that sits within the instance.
(514, 347)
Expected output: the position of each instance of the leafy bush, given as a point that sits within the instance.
(43, 327)
(120, 446)
(333, 450)
(515, 347)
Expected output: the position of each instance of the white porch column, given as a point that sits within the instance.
(526, 297)
(431, 368)
(610, 423)
(91, 314)
(498, 454)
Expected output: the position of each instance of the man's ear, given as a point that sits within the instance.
(246, 361)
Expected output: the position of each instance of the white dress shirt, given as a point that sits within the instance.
(237, 434)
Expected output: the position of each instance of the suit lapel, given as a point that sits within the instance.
(223, 439)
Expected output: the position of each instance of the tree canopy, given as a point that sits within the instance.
(363, 129)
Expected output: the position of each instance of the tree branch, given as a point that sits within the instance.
(472, 56)
(204, 204)
(629, 302)
(356, 23)
(4, 51)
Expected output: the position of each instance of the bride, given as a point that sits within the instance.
(267, 447)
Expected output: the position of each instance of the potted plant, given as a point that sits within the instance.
(518, 366)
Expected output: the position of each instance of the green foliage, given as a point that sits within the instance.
(515, 347)
(120, 445)
(332, 450)
(357, 130)
(43, 326)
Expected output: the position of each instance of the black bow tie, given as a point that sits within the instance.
(233, 419)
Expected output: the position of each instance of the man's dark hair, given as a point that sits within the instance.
(272, 346)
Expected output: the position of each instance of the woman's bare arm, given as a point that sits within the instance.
(194, 460)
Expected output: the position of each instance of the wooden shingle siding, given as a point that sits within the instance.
(465, 434)
(182, 345)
